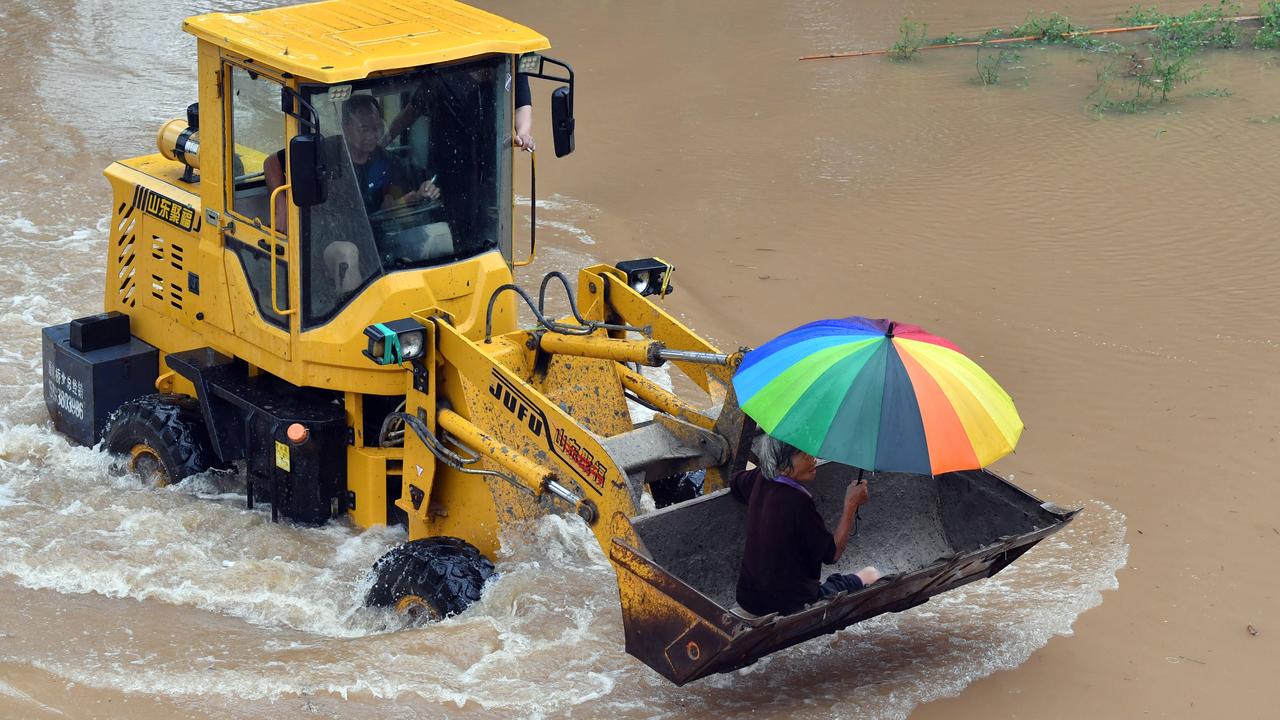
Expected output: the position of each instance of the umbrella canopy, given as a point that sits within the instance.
(878, 395)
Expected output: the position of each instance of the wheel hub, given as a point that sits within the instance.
(145, 462)
(416, 609)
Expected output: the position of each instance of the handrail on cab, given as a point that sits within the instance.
(271, 229)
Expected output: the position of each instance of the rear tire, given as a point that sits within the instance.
(430, 579)
(161, 436)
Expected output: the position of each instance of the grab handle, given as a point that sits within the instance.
(271, 217)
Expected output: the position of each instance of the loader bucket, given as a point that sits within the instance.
(927, 534)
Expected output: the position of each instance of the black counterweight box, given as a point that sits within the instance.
(83, 388)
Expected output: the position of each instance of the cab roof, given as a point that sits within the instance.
(343, 40)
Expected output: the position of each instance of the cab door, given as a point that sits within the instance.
(265, 312)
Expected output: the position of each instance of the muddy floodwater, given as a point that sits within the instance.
(1117, 274)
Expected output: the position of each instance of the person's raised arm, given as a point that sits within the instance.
(854, 497)
(524, 115)
(524, 129)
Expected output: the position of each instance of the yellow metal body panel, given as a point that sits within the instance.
(471, 507)
(152, 246)
(367, 471)
(330, 356)
(158, 244)
(587, 389)
(343, 40)
(511, 410)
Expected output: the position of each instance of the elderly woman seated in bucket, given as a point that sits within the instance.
(787, 540)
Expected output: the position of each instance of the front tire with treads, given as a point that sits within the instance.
(430, 579)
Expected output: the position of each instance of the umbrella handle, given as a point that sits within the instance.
(857, 514)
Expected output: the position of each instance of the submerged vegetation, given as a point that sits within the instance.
(911, 37)
(1158, 60)
(990, 64)
(1051, 28)
(1169, 62)
(1269, 34)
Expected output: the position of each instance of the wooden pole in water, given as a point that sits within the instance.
(1003, 41)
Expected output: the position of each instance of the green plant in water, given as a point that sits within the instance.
(1169, 62)
(990, 65)
(948, 39)
(1209, 26)
(911, 37)
(1137, 78)
(1147, 81)
(1138, 15)
(1171, 67)
(1269, 34)
(1047, 28)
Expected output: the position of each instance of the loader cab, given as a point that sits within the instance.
(390, 103)
(414, 171)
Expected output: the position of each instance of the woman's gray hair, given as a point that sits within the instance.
(775, 456)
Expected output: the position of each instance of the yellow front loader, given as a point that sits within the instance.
(312, 283)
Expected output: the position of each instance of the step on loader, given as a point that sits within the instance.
(312, 283)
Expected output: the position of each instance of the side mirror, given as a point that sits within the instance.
(562, 120)
(306, 169)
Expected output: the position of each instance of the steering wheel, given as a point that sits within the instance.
(406, 215)
(397, 231)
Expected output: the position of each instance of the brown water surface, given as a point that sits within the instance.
(1115, 273)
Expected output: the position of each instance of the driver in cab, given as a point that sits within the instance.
(383, 181)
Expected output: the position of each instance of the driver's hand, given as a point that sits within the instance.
(426, 191)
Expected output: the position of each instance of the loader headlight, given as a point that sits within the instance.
(394, 342)
(529, 63)
(648, 276)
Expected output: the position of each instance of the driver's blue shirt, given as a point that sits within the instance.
(379, 176)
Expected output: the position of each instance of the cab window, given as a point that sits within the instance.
(257, 133)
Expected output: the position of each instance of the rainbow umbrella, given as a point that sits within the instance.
(877, 395)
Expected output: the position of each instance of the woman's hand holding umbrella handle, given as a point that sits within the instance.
(855, 495)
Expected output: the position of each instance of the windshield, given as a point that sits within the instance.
(417, 169)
